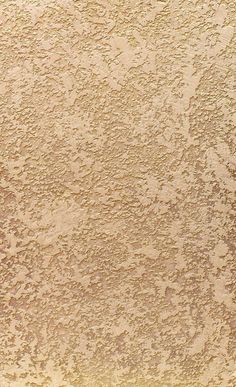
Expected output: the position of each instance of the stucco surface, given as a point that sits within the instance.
(117, 218)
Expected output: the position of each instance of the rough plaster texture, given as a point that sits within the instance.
(117, 191)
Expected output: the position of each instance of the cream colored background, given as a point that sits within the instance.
(117, 192)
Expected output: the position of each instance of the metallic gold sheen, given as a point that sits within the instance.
(117, 190)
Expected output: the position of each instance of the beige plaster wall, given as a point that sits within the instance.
(117, 191)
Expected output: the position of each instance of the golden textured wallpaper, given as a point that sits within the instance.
(117, 136)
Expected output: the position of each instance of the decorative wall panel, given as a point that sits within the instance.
(117, 193)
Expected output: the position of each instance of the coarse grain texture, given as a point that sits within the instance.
(117, 217)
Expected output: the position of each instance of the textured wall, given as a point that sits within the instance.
(117, 190)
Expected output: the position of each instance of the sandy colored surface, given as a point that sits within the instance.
(117, 217)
